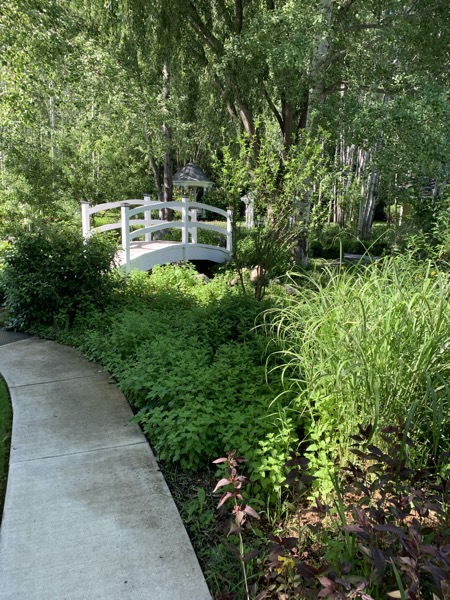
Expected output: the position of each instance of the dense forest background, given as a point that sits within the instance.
(103, 100)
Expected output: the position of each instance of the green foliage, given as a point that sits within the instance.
(51, 274)
(188, 358)
(212, 237)
(371, 343)
(432, 240)
(330, 240)
(5, 434)
(280, 183)
(173, 278)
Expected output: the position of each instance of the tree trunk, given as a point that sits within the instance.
(52, 128)
(167, 214)
(155, 166)
(368, 198)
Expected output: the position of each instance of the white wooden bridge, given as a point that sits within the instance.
(138, 248)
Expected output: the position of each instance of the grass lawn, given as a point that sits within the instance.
(5, 434)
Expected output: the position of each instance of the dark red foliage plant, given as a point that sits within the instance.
(386, 535)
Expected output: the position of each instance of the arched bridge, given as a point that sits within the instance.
(139, 250)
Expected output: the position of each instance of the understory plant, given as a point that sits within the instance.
(385, 534)
(188, 358)
(282, 190)
(240, 512)
(367, 342)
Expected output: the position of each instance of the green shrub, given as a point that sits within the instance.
(52, 273)
(171, 234)
(173, 278)
(214, 238)
(3, 248)
(331, 239)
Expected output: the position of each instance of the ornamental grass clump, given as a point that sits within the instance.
(372, 344)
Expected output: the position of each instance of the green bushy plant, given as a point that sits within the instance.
(3, 248)
(190, 413)
(51, 273)
(171, 278)
(331, 240)
(368, 343)
(213, 238)
(189, 359)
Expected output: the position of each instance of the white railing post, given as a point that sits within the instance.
(185, 221)
(147, 218)
(193, 230)
(85, 219)
(125, 222)
(229, 230)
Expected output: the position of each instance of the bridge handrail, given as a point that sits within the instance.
(174, 205)
(208, 226)
(110, 205)
(214, 209)
(117, 225)
(176, 225)
(103, 228)
(87, 211)
(153, 228)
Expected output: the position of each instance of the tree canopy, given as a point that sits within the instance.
(99, 99)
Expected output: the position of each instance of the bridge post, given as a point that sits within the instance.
(229, 230)
(193, 230)
(124, 218)
(147, 218)
(85, 219)
(185, 221)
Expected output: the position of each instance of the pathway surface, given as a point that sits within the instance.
(88, 515)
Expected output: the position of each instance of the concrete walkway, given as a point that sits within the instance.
(88, 515)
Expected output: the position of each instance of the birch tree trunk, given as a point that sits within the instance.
(369, 181)
(167, 214)
(52, 128)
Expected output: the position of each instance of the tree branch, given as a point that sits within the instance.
(273, 108)
(220, 88)
(211, 40)
(303, 112)
(345, 7)
(364, 26)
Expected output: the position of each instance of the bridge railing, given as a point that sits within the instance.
(188, 224)
(88, 211)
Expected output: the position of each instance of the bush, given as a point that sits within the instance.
(52, 273)
(328, 242)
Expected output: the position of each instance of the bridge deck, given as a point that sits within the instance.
(145, 255)
(140, 248)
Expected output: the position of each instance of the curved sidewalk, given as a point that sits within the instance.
(87, 515)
